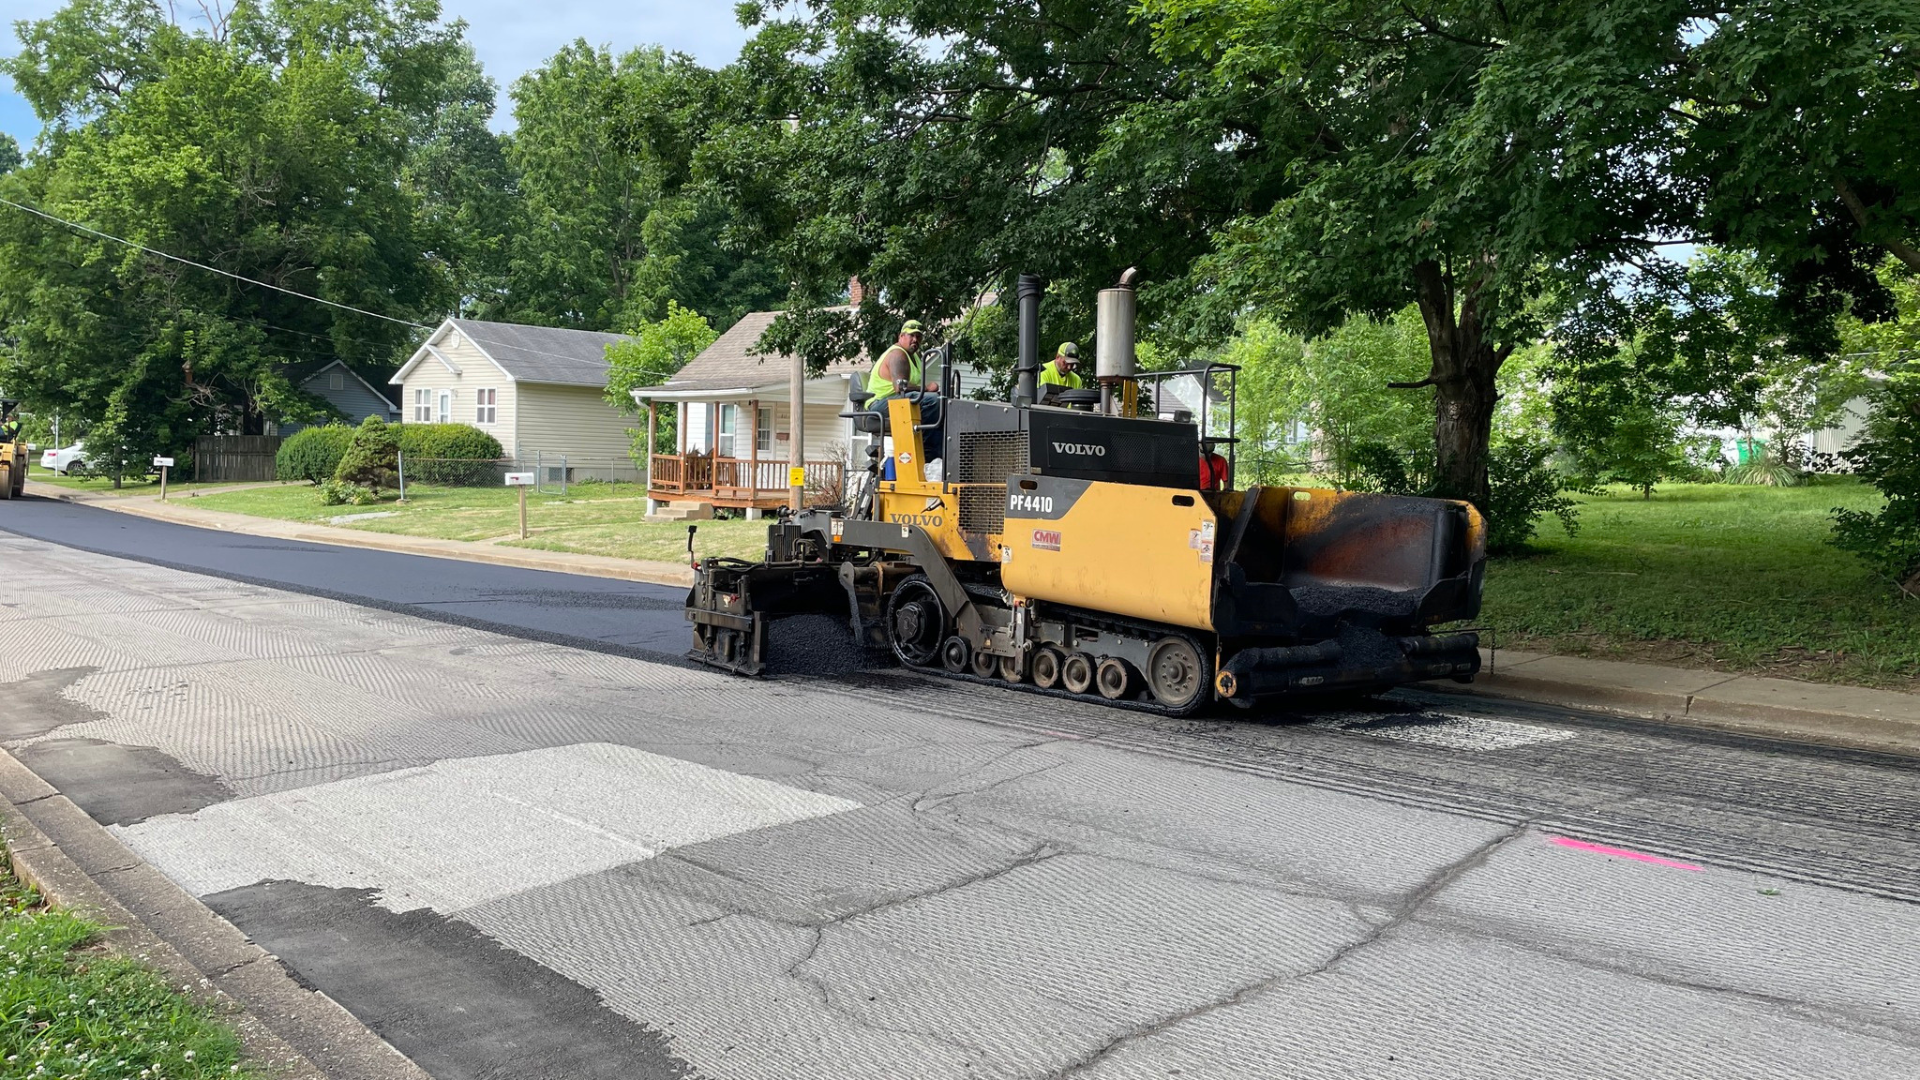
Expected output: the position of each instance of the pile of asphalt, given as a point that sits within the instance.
(1328, 601)
(818, 645)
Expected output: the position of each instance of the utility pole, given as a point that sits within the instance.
(797, 436)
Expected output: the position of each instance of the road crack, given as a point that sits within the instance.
(1399, 916)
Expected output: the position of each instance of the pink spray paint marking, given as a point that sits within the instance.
(1602, 849)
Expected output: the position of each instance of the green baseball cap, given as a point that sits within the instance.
(1069, 350)
(911, 326)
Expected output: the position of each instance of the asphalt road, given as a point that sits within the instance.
(483, 809)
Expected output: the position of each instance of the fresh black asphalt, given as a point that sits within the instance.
(626, 617)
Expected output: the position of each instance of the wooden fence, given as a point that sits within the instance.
(234, 457)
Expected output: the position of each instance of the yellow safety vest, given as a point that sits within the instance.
(879, 385)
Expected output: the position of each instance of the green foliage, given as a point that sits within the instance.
(648, 356)
(614, 225)
(1888, 457)
(452, 454)
(1336, 386)
(1525, 487)
(371, 455)
(1768, 468)
(312, 454)
(857, 147)
(336, 493)
(69, 1010)
(1640, 448)
(272, 145)
(9, 154)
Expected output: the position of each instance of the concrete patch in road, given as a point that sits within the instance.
(464, 831)
(458, 1004)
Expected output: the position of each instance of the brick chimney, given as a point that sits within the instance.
(856, 292)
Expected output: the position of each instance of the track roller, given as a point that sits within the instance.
(1114, 679)
(956, 655)
(1046, 667)
(1076, 672)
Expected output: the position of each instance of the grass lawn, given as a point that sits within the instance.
(132, 485)
(1711, 575)
(71, 1008)
(593, 519)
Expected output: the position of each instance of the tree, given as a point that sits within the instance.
(937, 149)
(9, 154)
(614, 225)
(649, 355)
(1457, 156)
(1476, 157)
(269, 146)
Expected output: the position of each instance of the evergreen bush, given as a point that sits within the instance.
(370, 457)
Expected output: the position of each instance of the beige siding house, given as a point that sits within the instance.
(734, 414)
(734, 424)
(537, 389)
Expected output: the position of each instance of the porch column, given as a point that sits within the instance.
(753, 449)
(681, 410)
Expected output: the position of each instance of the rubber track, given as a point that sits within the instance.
(1110, 624)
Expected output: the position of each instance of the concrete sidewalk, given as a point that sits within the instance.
(1882, 720)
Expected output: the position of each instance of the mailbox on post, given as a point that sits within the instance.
(164, 463)
(523, 481)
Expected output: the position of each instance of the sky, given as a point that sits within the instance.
(511, 37)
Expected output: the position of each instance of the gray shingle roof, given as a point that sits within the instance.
(730, 361)
(542, 354)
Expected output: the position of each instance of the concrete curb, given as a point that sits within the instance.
(147, 506)
(1885, 721)
(290, 1032)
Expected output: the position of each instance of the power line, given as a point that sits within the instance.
(89, 230)
(210, 269)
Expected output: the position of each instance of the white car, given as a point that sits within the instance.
(61, 460)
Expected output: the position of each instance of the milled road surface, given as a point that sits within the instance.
(519, 841)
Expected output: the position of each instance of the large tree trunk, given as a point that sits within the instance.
(1465, 364)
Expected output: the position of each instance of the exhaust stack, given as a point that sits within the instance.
(1115, 317)
(1027, 371)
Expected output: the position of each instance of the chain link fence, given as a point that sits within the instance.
(553, 474)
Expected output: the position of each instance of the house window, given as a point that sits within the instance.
(486, 406)
(336, 381)
(423, 405)
(763, 430)
(723, 434)
(446, 407)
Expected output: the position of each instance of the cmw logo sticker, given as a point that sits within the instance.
(1080, 448)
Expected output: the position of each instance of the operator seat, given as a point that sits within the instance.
(864, 420)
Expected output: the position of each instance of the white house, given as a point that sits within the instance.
(537, 389)
(734, 415)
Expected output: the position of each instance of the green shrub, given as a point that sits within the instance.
(370, 457)
(1769, 468)
(1888, 457)
(312, 454)
(1524, 487)
(451, 454)
(335, 493)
